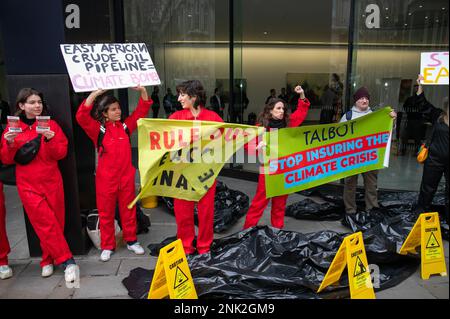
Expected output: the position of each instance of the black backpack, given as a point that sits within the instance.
(101, 136)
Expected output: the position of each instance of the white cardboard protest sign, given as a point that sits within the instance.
(109, 66)
(434, 68)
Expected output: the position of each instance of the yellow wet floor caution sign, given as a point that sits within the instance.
(426, 233)
(172, 277)
(351, 254)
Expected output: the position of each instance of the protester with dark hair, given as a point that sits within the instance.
(39, 181)
(193, 98)
(274, 116)
(115, 175)
(436, 163)
(361, 108)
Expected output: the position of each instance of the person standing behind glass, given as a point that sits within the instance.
(273, 95)
(283, 96)
(216, 103)
(436, 163)
(240, 104)
(156, 103)
(168, 102)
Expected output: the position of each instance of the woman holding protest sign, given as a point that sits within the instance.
(274, 116)
(115, 175)
(36, 154)
(436, 163)
(193, 100)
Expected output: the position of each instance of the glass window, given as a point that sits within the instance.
(286, 43)
(389, 37)
(187, 40)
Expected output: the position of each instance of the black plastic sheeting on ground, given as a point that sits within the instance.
(311, 210)
(392, 204)
(264, 262)
(229, 206)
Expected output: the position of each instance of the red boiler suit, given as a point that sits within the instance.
(115, 175)
(40, 187)
(260, 201)
(184, 210)
(4, 243)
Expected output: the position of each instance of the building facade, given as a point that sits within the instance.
(241, 47)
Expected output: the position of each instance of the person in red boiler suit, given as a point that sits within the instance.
(5, 270)
(115, 175)
(274, 116)
(193, 99)
(39, 182)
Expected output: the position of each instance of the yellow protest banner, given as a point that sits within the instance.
(172, 277)
(352, 254)
(426, 233)
(182, 159)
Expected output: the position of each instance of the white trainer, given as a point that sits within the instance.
(47, 271)
(106, 255)
(136, 248)
(72, 273)
(5, 272)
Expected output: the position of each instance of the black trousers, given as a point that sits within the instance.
(155, 112)
(432, 174)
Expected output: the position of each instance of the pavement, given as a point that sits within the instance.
(100, 280)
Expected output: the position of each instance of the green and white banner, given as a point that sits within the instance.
(307, 156)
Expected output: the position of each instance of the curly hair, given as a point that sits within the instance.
(265, 116)
(194, 88)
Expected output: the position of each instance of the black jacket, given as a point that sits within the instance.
(438, 148)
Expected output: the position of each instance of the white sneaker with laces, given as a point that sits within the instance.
(136, 248)
(106, 255)
(47, 271)
(5, 272)
(72, 273)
